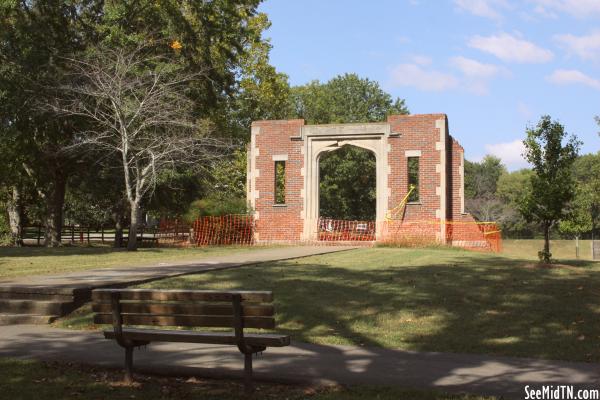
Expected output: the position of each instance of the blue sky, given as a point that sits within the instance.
(494, 66)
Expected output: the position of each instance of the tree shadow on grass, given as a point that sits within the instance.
(493, 305)
(488, 305)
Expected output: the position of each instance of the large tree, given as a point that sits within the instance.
(138, 107)
(551, 152)
(36, 37)
(347, 188)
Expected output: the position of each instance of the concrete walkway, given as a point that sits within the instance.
(123, 276)
(480, 374)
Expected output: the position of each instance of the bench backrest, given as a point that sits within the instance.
(189, 308)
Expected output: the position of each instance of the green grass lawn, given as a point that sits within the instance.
(27, 261)
(32, 380)
(446, 300)
(560, 249)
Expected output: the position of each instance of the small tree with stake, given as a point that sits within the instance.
(136, 101)
(552, 183)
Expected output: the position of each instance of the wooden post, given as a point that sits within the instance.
(248, 386)
(39, 234)
(577, 246)
(129, 364)
(88, 235)
(102, 233)
(72, 234)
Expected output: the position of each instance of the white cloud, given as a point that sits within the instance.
(416, 76)
(573, 76)
(483, 8)
(577, 8)
(511, 49)
(476, 69)
(421, 59)
(586, 47)
(511, 153)
(524, 110)
(477, 74)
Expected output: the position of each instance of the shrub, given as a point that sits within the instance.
(214, 206)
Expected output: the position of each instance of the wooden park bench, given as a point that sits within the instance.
(188, 308)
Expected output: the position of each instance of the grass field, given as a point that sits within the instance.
(560, 249)
(31, 380)
(446, 300)
(24, 261)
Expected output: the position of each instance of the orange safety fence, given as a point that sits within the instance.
(172, 232)
(332, 230)
(483, 236)
(224, 230)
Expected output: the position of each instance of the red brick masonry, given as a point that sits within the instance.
(441, 177)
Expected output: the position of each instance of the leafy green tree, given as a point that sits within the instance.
(584, 210)
(347, 187)
(36, 38)
(552, 154)
(261, 92)
(225, 39)
(211, 36)
(348, 193)
(481, 180)
(344, 99)
(512, 188)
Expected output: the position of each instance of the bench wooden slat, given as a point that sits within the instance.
(155, 335)
(185, 309)
(104, 295)
(186, 320)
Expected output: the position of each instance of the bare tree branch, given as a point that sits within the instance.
(136, 104)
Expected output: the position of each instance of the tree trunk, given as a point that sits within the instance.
(14, 209)
(547, 242)
(54, 214)
(133, 227)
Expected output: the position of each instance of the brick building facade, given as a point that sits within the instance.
(295, 148)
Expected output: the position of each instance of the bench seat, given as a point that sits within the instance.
(185, 336)
(136, 316)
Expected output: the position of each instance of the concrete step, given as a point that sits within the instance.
(17, 319)
(39, 307)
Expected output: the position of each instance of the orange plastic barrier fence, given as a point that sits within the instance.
(172, 232)
(332, 230)
(224, 230)
(484, 236)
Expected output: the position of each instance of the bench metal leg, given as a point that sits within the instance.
(129, 364)
(248, 385)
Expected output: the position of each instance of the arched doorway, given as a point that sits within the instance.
(348, 184)
(322, 139)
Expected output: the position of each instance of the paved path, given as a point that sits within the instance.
(480, 374)
(122, 276)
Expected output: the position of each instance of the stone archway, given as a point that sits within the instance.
(347, 184)
(324, 138)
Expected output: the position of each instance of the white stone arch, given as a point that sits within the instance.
(325, 138)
